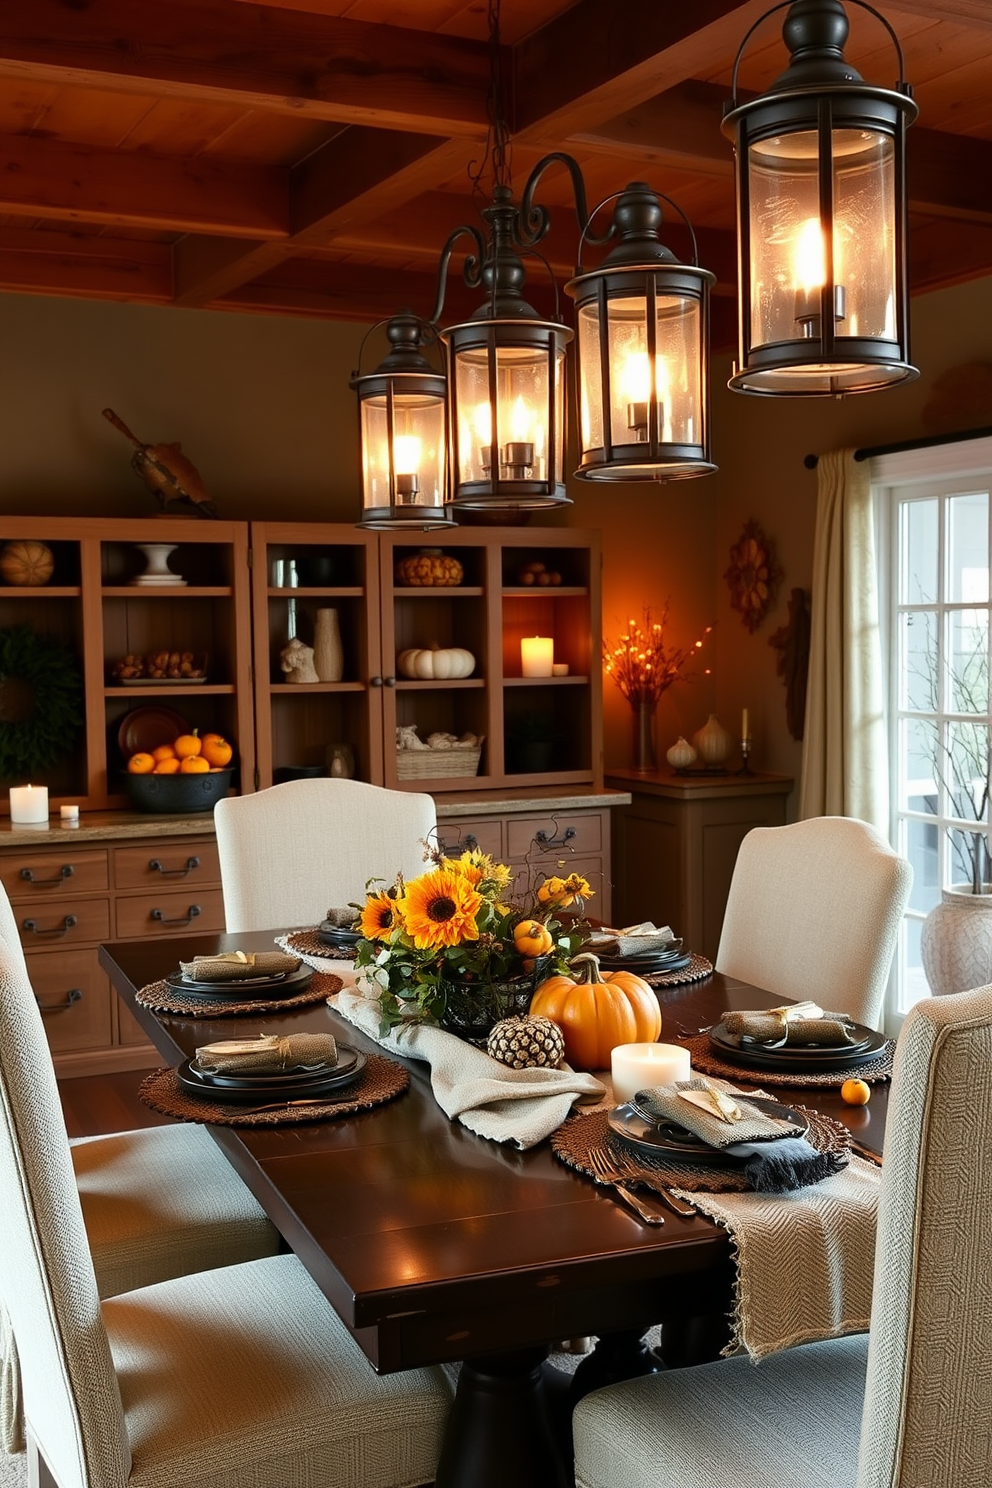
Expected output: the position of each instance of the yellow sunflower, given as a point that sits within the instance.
(440, 908)
(380, 916)
(478, 867)
(562, 892)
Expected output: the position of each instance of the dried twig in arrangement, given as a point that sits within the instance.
(642, 665)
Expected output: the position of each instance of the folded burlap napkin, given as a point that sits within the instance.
(236, 966)
(633, 940)
(343, 918)
(801, 1024)
(776, 1160)
(268, 1052)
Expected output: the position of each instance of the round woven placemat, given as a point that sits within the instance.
(162, 998)
(381, 1080)
(875, 1072)
(697, 969)
(309, 943)
(581, 1135)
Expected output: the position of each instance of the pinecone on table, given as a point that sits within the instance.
(527, 1043)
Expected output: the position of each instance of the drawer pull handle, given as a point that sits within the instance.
(67, 924)
(66, 871)
(191, 914)
(156, 866)
(551, 844)
(469, 841)
(73, 995)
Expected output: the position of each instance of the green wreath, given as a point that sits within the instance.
(41, 692)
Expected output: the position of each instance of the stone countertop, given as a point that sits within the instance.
(118, 826)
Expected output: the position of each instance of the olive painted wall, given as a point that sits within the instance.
(262, 407)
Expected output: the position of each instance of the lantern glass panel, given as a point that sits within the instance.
(590, 377)
(417, 452)
(523, 398)
(676, 370)
(789, 261)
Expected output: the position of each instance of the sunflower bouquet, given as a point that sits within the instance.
(453, 947)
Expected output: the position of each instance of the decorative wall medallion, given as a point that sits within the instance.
(754, 575)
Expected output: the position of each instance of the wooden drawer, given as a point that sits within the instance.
(74, 996)
(31, 875)
(171, 912)
(129, 1030)
(459, 834)
(566, 833)
(67, 922)
(169, 863)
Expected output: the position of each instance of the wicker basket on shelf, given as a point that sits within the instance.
(433, 764)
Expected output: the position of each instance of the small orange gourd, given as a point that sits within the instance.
(194, 764)
(216, 750)
(597, 1011)
(531, 938)
(188, 745)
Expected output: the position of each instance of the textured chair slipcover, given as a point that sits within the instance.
(290, 853)
(241, 1377)
(807, 1418)
(814, 911)
(157, 1203)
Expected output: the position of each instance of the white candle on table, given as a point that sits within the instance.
(639, 1066)
(537, 656)
(69, 813)
(744, 732)
(29, 803)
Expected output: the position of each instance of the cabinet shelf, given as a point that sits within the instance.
(428, 684)
(545, 591)
(167, 591)
(438, 591)
(569, 681)
(48, 591)
(163, 689)
(290, 689)
(307, 591)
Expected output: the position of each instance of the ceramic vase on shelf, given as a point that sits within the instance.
(681, 755)
(644, 754)
(956, 941)
(328, 653)
(157, 570)
(713, 742)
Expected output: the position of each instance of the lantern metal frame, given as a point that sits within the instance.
(820, 93)
(404, 373)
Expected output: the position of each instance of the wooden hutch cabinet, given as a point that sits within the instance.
(537, 799)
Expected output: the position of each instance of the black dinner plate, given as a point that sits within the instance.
(307, 1085)
(800, 1060)
(665, 1139)
(336, 935)
(346, 1061)
(286, 984)
(656, 961)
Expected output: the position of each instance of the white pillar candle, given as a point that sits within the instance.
(744, 732)
(537, 656)
(69, 813)
(639, 1066)
(29, 803)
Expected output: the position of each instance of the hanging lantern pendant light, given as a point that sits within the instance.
(821, 203)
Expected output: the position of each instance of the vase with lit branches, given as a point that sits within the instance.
(644, 665)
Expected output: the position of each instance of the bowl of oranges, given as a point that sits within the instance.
(190, 774)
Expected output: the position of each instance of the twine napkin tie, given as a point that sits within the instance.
(268, 1053)
(776, 1159)
(633, 940)
(799, 1024)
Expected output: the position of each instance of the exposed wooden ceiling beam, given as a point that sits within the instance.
(62, 182)
(93, 267)
(962, 12)
(287, 62)
(595, 61)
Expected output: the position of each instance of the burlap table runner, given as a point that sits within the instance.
(381, 1080)
(162, 998)
(703, 1056)
(804, 1261)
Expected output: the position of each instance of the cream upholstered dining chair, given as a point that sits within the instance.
(156, 1203)
(814, 911)
(806, 1418)
(241, 1377)
(290, 853)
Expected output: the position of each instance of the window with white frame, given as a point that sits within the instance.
(934, 513)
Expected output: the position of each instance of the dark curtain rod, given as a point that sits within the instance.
(811, 461)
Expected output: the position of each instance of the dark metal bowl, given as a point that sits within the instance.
(178, 795)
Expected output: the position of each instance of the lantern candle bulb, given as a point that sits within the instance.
(537, 656)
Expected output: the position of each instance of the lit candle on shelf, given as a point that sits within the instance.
(537, 656)
(640, 1066)
(744, 730)
(70, 814)
(29, 804)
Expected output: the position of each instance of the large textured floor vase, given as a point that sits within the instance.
(956, 942)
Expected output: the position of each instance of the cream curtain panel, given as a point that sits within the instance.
(845, 762)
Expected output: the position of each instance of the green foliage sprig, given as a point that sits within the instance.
(52, 684)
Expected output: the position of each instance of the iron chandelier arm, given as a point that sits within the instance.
(533, 221)
(901, 85)
(472, 272)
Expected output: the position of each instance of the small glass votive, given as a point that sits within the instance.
(69, 814)
(559, 669)
(639, 1066)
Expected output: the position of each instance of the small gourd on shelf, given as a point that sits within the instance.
(435, 663)
(429, 569)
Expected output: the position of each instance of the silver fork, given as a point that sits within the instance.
(625, 1167)
(606, 1173)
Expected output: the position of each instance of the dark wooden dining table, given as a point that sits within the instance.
(434, 1245)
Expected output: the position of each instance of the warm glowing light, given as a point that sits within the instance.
(809, 264)
(521, 422)
(406, 454)
(482, 419)
(634, 380)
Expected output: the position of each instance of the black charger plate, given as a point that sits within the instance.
(797, 1060)
(307, 1085)
(663, 1139)
(241, 989)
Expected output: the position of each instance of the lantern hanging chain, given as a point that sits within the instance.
(497, 152)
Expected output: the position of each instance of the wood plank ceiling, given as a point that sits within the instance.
(309, 157)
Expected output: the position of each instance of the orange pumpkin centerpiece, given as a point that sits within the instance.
(596, 1011)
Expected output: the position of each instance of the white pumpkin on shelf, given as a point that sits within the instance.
(435, 663)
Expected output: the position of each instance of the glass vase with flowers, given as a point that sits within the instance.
(458, 948)
(644, 665)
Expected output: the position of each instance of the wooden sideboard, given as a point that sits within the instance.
(126, 876)
(676, 844)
